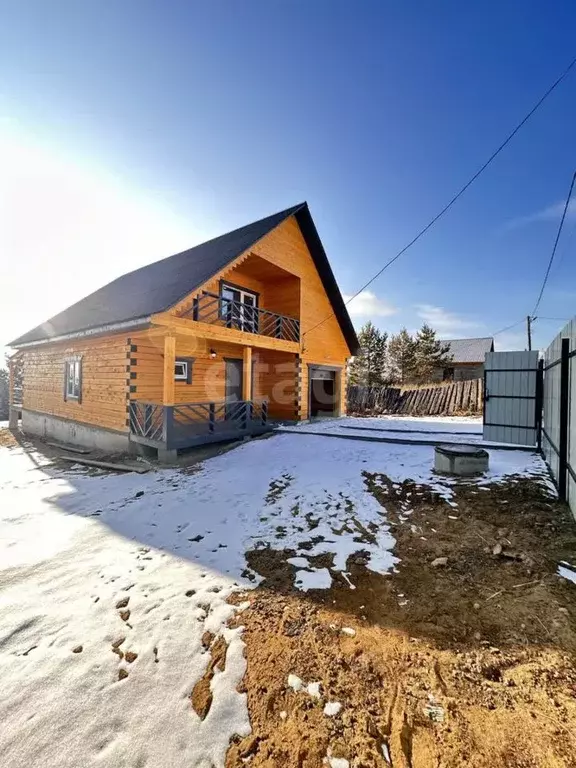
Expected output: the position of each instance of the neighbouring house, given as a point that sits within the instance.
(206, 345)
(468, 357)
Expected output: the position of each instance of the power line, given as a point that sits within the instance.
(508, 327)
(555, 245)
(449, 205)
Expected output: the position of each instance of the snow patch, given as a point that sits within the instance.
(336, 762)
(567, 573)
(317, 578)
(313, 689)
(295, 683)
(331, 708)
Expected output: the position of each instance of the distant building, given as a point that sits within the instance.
(467, 359)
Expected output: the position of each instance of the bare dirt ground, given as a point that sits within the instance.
(471, 662)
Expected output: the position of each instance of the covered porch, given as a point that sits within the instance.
(187, 391)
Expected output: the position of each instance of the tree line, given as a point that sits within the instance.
(402, 358)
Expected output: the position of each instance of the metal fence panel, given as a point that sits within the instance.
(552, 411)
(510, 397)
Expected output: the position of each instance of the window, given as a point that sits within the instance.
(239, 308)
(73, 379)
(183, 369)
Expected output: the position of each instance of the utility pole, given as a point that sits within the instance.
(529, 331)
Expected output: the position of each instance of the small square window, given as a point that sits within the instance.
(181, 370)
(73, 379)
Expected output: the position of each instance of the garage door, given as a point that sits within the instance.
(322, 392)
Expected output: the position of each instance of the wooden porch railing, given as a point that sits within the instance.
(185, 424)
(216, 310)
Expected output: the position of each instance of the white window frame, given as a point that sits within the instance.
(183, 375)
(74, 378)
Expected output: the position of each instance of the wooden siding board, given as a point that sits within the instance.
(103, 381)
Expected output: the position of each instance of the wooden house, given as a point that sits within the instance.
(466, 359)
(215, 342)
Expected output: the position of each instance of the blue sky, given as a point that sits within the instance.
(129, 130)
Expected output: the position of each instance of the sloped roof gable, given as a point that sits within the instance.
(469, 350)
(160, 285)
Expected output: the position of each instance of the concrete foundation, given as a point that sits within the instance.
(74, 432)
(167, 456)
(14, 416)
(461, 460)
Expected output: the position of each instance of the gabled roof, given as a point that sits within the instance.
(469, 350)
(158, 286)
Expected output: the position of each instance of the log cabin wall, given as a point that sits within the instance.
(286, 247)
(275, 379)
(104, 381)
(278, 291)
(208, 374)
(325, 344)
(274, 373)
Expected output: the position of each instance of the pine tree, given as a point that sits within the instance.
(430, 353)
(402, 357)
(368, 366)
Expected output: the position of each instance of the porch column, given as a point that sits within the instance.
(247, 374)
(169, 361)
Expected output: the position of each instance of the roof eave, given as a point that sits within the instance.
(99, 330)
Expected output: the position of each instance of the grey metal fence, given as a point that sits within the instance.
(559, 412)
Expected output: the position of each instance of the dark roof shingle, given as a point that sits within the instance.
(158, 286)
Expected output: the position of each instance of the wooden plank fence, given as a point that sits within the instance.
(457, 398)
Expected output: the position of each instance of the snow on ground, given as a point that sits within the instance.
(421, 423)
(76, 547)
(418, 424)
(434, 429)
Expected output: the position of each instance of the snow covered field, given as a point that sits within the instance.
(109, 584)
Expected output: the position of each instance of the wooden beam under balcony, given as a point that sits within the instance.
(247, 374)
(221, 333)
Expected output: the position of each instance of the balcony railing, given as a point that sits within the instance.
(216, 310)
(188, 424)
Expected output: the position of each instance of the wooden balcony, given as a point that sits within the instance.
(215, 310)
(185, 425)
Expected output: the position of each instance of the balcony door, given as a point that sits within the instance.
(239, 308)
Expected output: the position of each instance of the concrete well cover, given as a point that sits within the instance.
(469, 451)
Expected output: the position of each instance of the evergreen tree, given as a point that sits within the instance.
(402, 357)
(368, 366)
(430, 353)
